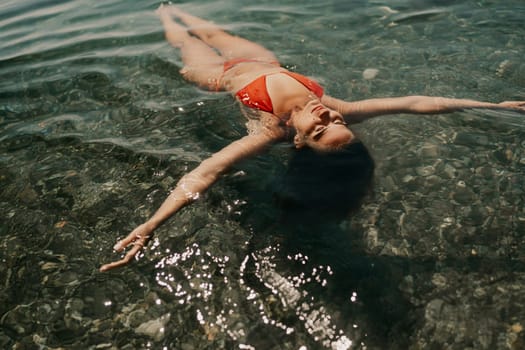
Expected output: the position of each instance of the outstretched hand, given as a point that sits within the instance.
(519, 105)
(138, 238)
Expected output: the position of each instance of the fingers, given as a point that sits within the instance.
(137, 235)
(125, 260)
(137, 239)
(112, 265)
(520, 105)
(120, 245)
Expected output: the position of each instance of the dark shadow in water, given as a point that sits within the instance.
(315, 193)
(382, 311)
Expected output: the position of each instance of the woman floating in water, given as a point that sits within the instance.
(287, 106)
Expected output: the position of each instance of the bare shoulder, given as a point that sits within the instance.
(272, 126)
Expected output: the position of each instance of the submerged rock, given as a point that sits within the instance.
(456, 315)
(154, 328)
(370, 73)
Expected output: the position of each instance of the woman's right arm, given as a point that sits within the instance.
(189, 189)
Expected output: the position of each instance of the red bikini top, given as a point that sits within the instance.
(255, 94)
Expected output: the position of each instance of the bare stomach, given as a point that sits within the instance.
(244, 73)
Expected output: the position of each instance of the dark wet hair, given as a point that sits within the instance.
(325, 185)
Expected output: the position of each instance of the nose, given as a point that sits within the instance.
(323, 116)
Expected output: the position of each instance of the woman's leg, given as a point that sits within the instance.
(202, 65)
(229, 46)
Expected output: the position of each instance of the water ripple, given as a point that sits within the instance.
(97, 126)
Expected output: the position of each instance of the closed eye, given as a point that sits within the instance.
(339, 120)
(318, 132)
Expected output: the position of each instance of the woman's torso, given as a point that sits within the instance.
(285, 92)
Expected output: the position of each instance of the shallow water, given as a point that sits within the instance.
(96, 126)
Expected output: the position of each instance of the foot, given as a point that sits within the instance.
(164, 12)
(175, 33)
(186, 18)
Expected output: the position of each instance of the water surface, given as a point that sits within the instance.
(96, 127)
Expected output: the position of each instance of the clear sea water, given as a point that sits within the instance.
(96, 127)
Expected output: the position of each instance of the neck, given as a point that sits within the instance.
(291, 105)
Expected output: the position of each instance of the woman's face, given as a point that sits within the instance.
(320, 127)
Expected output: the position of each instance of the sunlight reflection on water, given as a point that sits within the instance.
(204, 274)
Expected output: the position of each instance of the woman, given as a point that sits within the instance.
(281, 101)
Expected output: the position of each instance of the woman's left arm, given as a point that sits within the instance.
(358, 111)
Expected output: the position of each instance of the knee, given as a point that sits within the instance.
(186, 73)
(205, 82)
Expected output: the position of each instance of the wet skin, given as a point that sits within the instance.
(320, 127)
